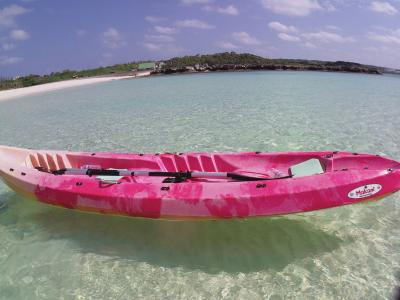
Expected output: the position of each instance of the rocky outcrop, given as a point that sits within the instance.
(354, 68)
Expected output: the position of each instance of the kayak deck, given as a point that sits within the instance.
(287, 182)
(268, 164)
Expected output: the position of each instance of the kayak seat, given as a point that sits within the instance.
(47, 161)
(309, 167)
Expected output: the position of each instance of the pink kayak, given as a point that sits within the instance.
(198, 185)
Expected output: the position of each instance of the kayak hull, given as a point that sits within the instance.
(348, 179)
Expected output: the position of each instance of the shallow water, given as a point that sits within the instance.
(349, 252)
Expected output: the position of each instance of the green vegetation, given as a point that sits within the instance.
(247, 59)
(231, 61)
(227, 58)
(32, 79)
(227, 61)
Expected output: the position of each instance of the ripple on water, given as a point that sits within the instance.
(348, 252)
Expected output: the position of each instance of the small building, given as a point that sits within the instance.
(159, 65)
(146, 66)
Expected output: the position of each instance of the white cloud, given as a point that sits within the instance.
(328, 6)
(190, 2)
(8, 46)
(386, 37)
(9, 13)
(5, 60)
(292, 34)
(227, 45)
(112, 38)
(164, 29)
(245, 38)
(194, 23)
(169, 48)
(292, 7)
(327, 37)
(281, 27)
(81, 32)
(333, 27)
(153, 19)
(383, 7)
(160, 38)
(309, 45)
(288, 37)
(19, 35)
(161, 42)
(153, 46)
(229, 10)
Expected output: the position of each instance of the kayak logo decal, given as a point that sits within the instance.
(364, 191)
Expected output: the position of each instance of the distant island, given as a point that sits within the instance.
(227, 61)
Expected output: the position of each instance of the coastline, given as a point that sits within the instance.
(196, 64)
(47, 87)
(53, 86)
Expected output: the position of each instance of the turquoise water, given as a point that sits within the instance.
(348, 253)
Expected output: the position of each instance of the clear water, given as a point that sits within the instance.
(347, 253)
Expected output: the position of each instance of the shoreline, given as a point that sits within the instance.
(53, 86)
(6, 95)
(264, 70)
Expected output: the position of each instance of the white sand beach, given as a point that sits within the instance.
(26, 91)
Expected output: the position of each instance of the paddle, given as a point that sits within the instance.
(180, 176)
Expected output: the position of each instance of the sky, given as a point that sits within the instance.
(43, 36)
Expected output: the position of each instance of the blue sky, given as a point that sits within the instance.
(41, 36)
